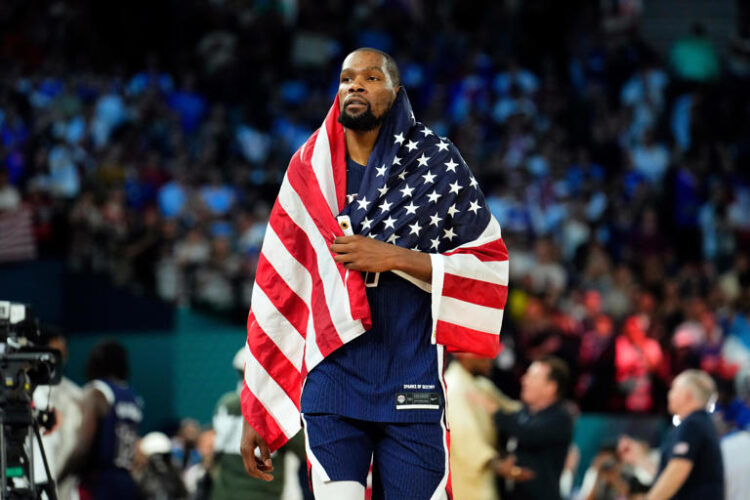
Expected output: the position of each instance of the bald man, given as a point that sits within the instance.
(691, 466)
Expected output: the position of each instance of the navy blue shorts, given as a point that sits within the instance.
(410, 460)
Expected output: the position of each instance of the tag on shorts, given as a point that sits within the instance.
(418, 401)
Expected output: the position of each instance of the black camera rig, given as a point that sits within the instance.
(24, 365)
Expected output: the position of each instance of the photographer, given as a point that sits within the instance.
(65, 398)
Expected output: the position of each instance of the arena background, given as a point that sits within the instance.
(145, 141)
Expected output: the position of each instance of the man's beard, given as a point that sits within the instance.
(363, 122)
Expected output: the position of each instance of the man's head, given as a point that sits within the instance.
(544, 382)
(368, 86)
(691, 390)
(476, 365)
(107, 360)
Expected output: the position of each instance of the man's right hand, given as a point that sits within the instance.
(255, 467)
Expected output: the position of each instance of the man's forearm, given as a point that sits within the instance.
(417, 264)
(673, 477)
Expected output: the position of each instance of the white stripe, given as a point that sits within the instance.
(298, 279)
(469, 266)
(474, 316)
(490, 233)
(336, 294)
(438, 273)
(417, 407)
(323, 168)
(313, 356)
(294, 274)
(278, 328)
(315, 464)
(440, 493)
(106, 390)
(271, 395)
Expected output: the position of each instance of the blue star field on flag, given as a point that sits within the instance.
(417, 191)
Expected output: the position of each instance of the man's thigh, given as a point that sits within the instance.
(411, 462)
(339, 452)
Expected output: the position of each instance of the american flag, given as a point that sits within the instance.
(17, 235)
(417, 193)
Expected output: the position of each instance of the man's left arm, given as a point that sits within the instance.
(671, 479)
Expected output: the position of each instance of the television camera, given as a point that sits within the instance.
(24, 364)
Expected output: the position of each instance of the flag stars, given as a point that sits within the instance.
(385, 206)
(366, 223)
(452, 211)
(399, 138)
(411, 146)
(380, 170)
(449, 234)
(435, 244)
(363, 203)
(411, 208)
(415, 228)
(389, 222)
(423, 160)
(403, 175)
(434, 196)
(474, 207)
(426, 131)
(429, 178)
(455, 187)
(406, 191)
(392, 238)
(350, 197)
(442, 145)
(383, 190)
(396, 161)
(473, 182)
(435, 220)
(451, 166)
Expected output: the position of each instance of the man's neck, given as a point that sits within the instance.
(537, 407)
(359, 145)
(690, 409)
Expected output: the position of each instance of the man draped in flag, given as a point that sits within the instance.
(380, 255)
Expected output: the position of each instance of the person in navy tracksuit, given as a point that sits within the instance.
(104, 455)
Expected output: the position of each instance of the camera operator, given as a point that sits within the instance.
(109, 431)
(59, 442)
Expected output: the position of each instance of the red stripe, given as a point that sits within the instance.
(273, 360)
(462, 339)
(338, 152)
(478, 292)
(260, 420)
(494, 250)
(297, 243)
(288, 303)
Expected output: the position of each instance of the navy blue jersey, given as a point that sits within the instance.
(391, 373)
(118, 430)
(695, 439)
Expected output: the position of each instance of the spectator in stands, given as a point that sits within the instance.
(637, 358)
(10, 198)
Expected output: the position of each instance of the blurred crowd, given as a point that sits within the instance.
(150, 148)
(616, 171)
